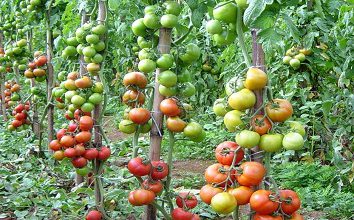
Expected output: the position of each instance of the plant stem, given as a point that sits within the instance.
(171, 139)
(136, 142)
(267, 157)
(235, 214)
(162, 210)
(241, 38)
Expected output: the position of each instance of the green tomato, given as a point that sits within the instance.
(150, 9)
(127, 127)
(78, 100)
(167, 91)
(247, 139)
(83, 171)
(169, 21)
(271, 142)
(172, 7)
(242, 100)
(87, 107)
(297, 127)
(192, 54)
(100, 46)
(286, 60)
(146, 66)
(199, 138)
(71, 41)
(232, 120)
(62, 76)
(226, 13)
(70, 94)
(300, 57)
(225, 38)
(193, 130)
(188, 89)
(99, 29)
(241, 3)
(223, 203)
(92, 39)
(185, 76)
(97, 87)
(151, 21)
(220, 108)
(89, 51)
(214, 27)
(165, 61)
(146, 127)
(95, 98)
(293, 141)
(167, 78)
(139, 28)
(295, 63)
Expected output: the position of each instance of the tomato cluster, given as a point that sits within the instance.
(241, 97)
(35, 5)
(11, 93)
(185, 202)
(37, 68)
(155, 172)
(21, 120)
(223, 26)
(88, 41)
(15, 55)
(74, 142)
(273, 206)
(295, 56)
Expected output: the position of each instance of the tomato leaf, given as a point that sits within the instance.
(254, 10)
(291, 27)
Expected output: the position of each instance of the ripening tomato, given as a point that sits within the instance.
(290, 201)
(91, 154)
(94, 215)
(153, 185)
(135, 79)
(242, 100)
(139, 115)
(261, 202)
(55, 145)
(195, 217)
(279, 110)
(175, 124)
(80, 149)
(255, 79)
(181, 214)
(138, 167)
(67, 141)
(218, 173)
(83, 137)
(85, 123)
(261, 124)
(258, 216)
(232, 120)
(296, 216)
(207, 192)
(70, 153)
(133, 98)
(159, 170)
(169, 107)
(143, 196)
(225, 152)
(132, 200)
(190, 200)
(41, 61)
(61, 133)
(252, 173)
(223, 203)
(242, 194)
(59, 155)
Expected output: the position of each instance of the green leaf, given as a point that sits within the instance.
(113, 5)
(193, 4)
(291, 27)
(254, 10)
(265, 20)
(198, 15)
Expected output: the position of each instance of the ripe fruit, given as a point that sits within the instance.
(207, 192)
(190, 201)
(138, 167)
(255, 79)
(139, 115)
(94, 215)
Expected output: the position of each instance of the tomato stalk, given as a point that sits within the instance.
(267, 157)
(169, 162)
(235, 214)
(240, 36)
(136, 142)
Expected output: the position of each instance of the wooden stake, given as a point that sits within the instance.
(156, 129)
(2, 87)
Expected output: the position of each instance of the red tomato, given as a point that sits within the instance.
(41, 61)
(279, 110)
(54, 145)
(266, 217)
(159, 170)
(67, 141)
(261, 202)
(218, 173)
(169, 107)
(79, 162)
(86, 123)
(104, 153)
(252, 174)
(94, 215)
(188, 199)
(139, 115)
(224, 153)
(138, 167)
(180, 214)
(290, 201)
(152, 185)
(91, 154)
(143, 196)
